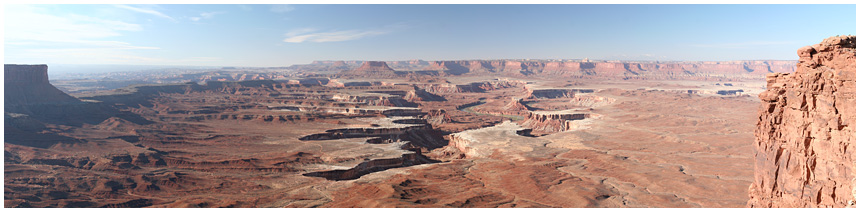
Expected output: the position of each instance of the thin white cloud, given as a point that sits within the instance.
(27, 24)
(743, 45)
(306, 35)
(206, 15)
(145, 11)
(281, 8)
(35, 34)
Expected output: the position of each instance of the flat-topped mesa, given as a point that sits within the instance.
(25, 74)
(451, 66)
(339, 64)
(545, 116)
(616, 69)
(552, 122)
(374, 99)
(370, 69)
(805, 141)
(374, 66)
(475, 87)
(28, 84)
(558, 68)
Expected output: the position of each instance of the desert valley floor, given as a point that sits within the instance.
(426, 141)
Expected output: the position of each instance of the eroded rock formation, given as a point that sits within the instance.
(372, 68)
(31, 103)
(586, 69)
(556, 93)
(475, 87)
(28, 84)
(805, 142)
(516, 105)
(552, 122)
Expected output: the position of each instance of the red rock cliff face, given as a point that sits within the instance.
(663, 70)
(28, 84)
(805, 142)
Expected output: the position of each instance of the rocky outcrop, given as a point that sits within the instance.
(374, 99)
(437, 117)
(805, 142)
(552, 122)
(371, 166)
(700, 70)
(589, 100)
(556, 93)
(28, 84)
(475, 87)
(418, 135)
(310, 81)
(616, 69)
(419, 94)
(416, 132)
(29, 93)
(515, 106)
(371, 69)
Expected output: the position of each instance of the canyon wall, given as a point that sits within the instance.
(805, 141)
(548, 122)
(28, 84)
(699, 70)
(622, 69)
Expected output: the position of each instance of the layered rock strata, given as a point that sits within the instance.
(805, 142)
(28, 84)
(610, 68)
(556, 93)
(372, 68)
(580, 69)
(475, 87)
(552, 122)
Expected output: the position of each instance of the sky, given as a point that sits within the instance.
(283, 35)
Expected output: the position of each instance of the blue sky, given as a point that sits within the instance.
(282, 35)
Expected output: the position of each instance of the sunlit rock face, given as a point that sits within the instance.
(805, 142)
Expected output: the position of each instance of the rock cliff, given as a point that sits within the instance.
(31, 103)
(28, 84)
(371, 68)
(805, 141)
(552, 122)
(628, 70)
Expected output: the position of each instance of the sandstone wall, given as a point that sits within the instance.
(805, 141)
(28, 84)
(617, 69)
(25, 73)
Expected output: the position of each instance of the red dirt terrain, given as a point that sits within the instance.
(501, 133)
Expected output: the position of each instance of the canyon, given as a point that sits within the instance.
(466, 133)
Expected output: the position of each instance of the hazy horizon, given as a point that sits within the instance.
(284, 35)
